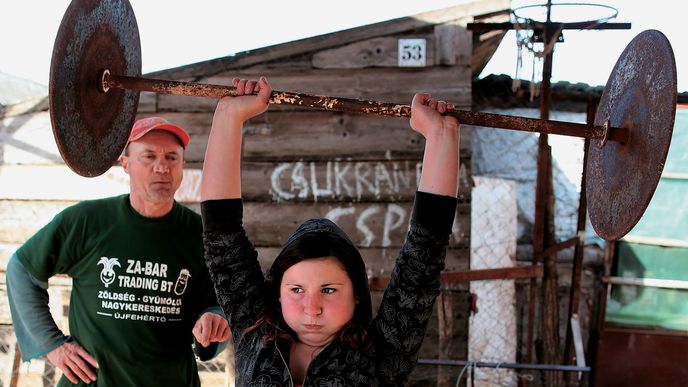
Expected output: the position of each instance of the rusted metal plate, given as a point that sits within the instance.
(90, 127)
(641, 96)
(640, 357)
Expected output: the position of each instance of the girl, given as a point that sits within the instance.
(310, 321)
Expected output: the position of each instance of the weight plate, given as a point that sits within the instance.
(640, 96)
(91, 127)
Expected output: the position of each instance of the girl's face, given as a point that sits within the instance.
(317, 299)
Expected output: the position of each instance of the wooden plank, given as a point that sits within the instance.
(452, 45)
(368, 224)
(16, 362)
(486, 43)
(323, 135)
(448, 325)
(379, 262)
(279, 136)
(449, 277)
(371, 225)
(375, 52)
(328, 135)
(393, 85)
(148, 102)
(466, 183)
(309, 135)
(458, 14)
(21, 219)
(504, 273)
(647, 282)
(664, 242)
(313, 135)
(445, 50)
(290, 181)
(557, 247)
(59, 183)
(334, 181)
(484, 47)
(6, 251)
(28, 139)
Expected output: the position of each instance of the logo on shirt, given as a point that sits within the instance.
(107, 275)
(182, 280)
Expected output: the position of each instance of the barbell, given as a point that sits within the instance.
(95, 84)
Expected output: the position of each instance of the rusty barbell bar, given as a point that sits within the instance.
(595, 132)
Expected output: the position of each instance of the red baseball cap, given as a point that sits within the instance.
(145, 125)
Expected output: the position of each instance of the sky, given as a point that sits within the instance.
(179, 32)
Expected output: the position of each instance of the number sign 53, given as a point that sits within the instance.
(411, 53)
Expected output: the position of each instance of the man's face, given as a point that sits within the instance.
(155, 163)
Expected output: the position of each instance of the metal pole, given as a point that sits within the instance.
(518, 366)
(579, 253)
(544, 204)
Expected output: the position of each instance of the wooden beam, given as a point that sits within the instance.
(533, 271)
(551, 250)
(647, 282)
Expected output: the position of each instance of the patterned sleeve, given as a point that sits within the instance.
(232, 262)
(408, 301)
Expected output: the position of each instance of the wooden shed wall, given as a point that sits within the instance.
(359, 170)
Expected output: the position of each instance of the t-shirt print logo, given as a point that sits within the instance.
(107, 275)
(182, 280)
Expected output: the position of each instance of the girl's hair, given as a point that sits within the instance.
(314, 239)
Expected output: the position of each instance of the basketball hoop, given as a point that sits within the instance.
(529, 22)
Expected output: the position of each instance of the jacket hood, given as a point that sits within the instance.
(324, 229)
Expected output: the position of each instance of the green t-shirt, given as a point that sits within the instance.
(138, 286)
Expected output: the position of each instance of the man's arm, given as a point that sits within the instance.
(36, 330)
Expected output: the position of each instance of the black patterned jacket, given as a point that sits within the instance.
(397, 330)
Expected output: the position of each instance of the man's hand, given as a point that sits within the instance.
(74, 361)
(210, 328)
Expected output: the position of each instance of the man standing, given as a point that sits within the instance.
(141, 292)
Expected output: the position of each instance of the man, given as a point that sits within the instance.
(141, 292)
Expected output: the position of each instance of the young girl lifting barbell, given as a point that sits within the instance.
(309, 322)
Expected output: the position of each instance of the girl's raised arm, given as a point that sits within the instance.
(441, 156)
(221, 177)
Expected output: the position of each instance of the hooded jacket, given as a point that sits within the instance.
(396, 331)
